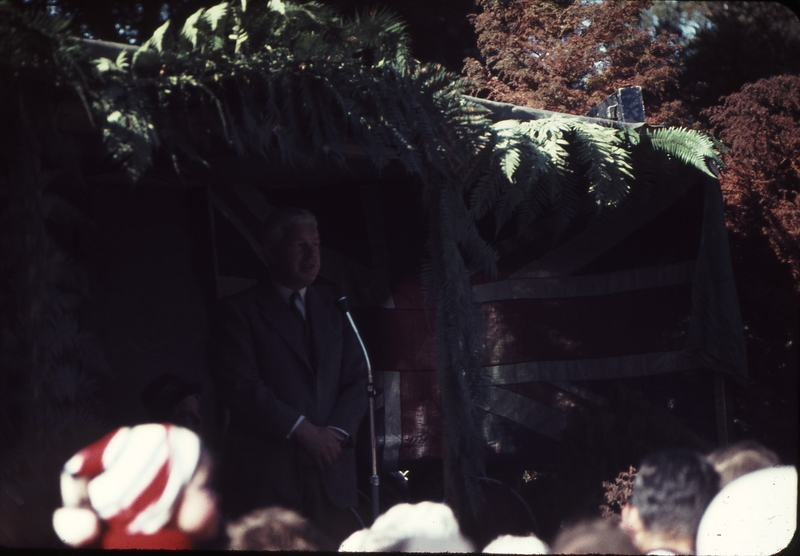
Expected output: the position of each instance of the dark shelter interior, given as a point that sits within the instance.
(606, 305)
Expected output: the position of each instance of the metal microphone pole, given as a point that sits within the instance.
(372, 393)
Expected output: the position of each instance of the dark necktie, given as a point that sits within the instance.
(294, 301)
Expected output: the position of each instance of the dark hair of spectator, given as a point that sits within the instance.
(276, 529)
(741, 458)
(672, 490)
(273, 227)
(594, 536)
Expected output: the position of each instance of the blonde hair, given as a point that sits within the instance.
(276, 529)
(740, 459)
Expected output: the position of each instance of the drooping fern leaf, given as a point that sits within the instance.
(608, 166)
(688, 146)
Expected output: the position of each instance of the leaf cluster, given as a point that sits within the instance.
(567, 56)
(551, 165)
(618, 493)
(569, 168)
(761, 183)
(741, 43)
(37, 52)
(253, 76)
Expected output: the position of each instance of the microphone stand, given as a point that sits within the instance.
(372, 393)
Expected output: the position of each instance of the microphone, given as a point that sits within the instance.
(343, 304)
(372, 393)
(344, 307)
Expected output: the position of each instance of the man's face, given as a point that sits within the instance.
(294, 263)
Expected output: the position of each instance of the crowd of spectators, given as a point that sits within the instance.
(148, 486)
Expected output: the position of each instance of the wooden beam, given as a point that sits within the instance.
(504, 111)
(722, 408)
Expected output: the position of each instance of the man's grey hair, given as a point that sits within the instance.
(741, 458)
(274, 226)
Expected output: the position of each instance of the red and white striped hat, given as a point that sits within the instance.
(136, 475)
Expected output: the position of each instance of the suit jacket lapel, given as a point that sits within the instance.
(319, 314)
(277, 314)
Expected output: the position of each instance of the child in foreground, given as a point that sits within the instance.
(138, 487)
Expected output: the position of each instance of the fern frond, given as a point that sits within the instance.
(378, 37)
(157, 40)
(484, 194)
(123, 61)
(688, 146)
(215, 14)
(189, 31)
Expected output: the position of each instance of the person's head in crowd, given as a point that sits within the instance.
(138, 487)
(276, 529)
(514, 544)
(423, 527)
(754, 514)
(741, 458)
(170, 399)
(670, 493)
(505, 514)
(291, 248)
(593, 536)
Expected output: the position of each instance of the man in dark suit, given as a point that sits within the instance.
(293, 378)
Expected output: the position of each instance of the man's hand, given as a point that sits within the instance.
(322, 444)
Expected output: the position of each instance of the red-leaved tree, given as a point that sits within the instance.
(742, 43)
(567, 56)
(760, 185)
(761, 182)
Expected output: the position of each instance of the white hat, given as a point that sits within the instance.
(511, 544)
(754, 514)
(135, 477)
(423, 527)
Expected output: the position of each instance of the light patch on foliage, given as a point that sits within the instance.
(278, 6)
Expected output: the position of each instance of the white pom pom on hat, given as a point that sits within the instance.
(132, 478)
(76, 526)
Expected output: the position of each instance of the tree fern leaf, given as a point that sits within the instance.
(157, 40)
(484, 194)
(277, 6)
(215, 14)
(102, 65)
(123, 60)
(608, 167)
(189, 30)
(509, 163)
(688, 146)
(145, 62)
